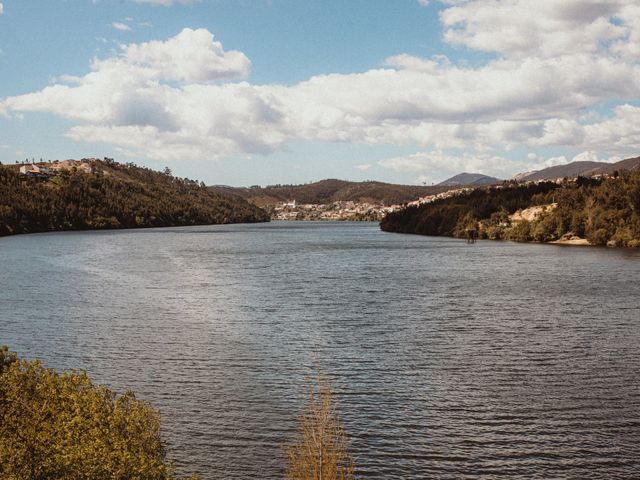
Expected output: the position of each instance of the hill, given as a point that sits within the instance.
(332, 190)
(597, 211)
(112, 195)
(468, 179)
(630, 164)
(583, 169)
(569, 170)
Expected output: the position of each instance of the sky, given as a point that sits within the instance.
(262, 92)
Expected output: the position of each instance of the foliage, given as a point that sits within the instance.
(604, 211)
(62, 426)
(320, 451)
(448, 216)
(114, 196)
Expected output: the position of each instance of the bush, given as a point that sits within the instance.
(520, 232)
(320, 451)
(598, 237)
(62, 426)
(545, 229)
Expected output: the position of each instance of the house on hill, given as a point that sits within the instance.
(34, 171)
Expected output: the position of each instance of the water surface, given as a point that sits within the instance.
(493, 360)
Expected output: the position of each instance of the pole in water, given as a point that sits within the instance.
(471, 235)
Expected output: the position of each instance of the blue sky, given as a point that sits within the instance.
(247, 92)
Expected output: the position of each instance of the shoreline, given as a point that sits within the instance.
(137, 227)
(573, 242)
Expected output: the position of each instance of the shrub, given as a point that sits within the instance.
(62, 426)
(320, 450)
(598, 237)
(520, 232)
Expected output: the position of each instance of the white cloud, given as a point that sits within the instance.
(123, 27)
(169, 99)
(516, 28)
(1, 8)
(363, 167)
(619, 134)
(190, 56)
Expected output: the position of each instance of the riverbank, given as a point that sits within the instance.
(581, 211)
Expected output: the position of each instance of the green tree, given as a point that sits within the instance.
(62, 426)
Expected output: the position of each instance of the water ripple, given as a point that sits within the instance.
(495, 360)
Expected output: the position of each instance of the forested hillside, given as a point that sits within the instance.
(603, 211)
(328, 191)
(113, 196)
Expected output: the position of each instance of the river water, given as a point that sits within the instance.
(448, 360)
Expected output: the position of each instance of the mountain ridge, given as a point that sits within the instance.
(332, 190)
(465, 178)
(578, 169)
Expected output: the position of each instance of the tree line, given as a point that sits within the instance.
(605, 211)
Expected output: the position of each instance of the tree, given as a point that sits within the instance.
(62, 426)
(320, 450)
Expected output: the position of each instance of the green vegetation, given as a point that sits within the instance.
(320, 451)
(62, 426)
(113, 196)
(604, 211)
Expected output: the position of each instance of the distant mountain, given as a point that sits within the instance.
(332, 190)
(468, 179)
(631, 164)
(575, 169)
(572, 169)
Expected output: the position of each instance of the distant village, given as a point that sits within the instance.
(356, 211)
(348, 210)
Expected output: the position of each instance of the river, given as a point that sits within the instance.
(448, 360)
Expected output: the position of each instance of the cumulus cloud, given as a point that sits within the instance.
(190, 56)
(1, 8)
(619, 134)
(515, 29)
(180, 98)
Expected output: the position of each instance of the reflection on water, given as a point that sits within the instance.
(449, 360)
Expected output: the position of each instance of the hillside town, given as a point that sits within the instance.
(373, 212)
(348, 210)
